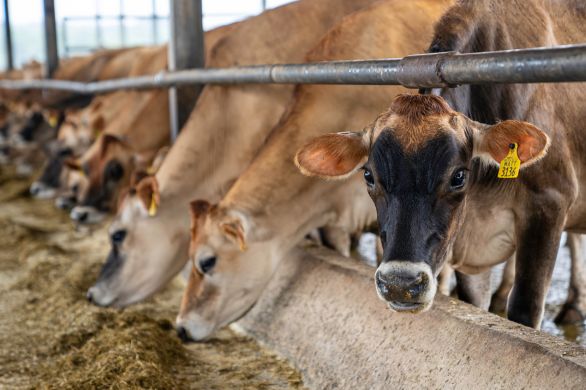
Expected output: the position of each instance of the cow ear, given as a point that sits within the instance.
(147, 190)
(493, 143)
(109, 140)
(234, 230)
(98, 125)
(333, 156)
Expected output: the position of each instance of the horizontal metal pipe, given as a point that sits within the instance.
(557, 64)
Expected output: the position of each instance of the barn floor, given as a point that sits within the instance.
(50, 337)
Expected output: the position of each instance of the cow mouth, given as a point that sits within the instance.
(407, 307)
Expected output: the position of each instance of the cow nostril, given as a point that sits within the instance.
(89, 296)
(83, 216)
(183, 335)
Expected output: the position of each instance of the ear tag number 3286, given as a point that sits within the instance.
(509, 168)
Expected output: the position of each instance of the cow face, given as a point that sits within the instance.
(73, 185)
(108, 171)
(227, 275)
(72, 140)
(148, 248)
(418, 160)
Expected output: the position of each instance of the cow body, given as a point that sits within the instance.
(224, 132)
(238, 244)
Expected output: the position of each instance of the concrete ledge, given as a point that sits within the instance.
(321, 312)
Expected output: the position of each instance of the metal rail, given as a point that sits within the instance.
(536, 65)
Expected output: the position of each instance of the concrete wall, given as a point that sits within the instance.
(321, 312)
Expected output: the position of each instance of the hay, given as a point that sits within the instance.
(51, 338)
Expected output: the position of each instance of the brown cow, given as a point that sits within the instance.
(238, 243)
(432, 171)
(226, 129)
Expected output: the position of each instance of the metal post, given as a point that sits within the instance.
(52, 55)
(263, 4)
(98, 27)
(8, 37)
(155, 22)
(122, 26)
(186, 51)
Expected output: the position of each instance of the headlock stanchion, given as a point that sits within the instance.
(536, 65)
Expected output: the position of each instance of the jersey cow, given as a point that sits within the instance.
(224, 132)
(238, 244)
(433, 172)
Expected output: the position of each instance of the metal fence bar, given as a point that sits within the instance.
(8, 37)
(536, 65)
(52, 54)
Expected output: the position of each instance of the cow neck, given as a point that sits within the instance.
(276, 196)
(196, 167)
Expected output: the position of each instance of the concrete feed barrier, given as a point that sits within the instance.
(321, 312)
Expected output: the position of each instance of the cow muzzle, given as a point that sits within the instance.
(193, 327)
(86, 215)
(406, 286)
(40, 190)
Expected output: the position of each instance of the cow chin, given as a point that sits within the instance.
(406, 286)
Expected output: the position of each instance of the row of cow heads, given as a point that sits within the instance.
(419, 159)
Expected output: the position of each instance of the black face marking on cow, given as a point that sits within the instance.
(52, 173)
(27, 133)
(112, 266)
(413, 195)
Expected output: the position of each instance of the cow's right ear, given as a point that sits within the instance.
(147, 191)
(333, 156)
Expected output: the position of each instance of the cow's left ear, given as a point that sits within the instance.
(147, 191)
(494, 142)
(333, 156)
(234, 229)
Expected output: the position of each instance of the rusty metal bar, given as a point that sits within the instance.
(8, 37)
(537, 65)
(52, 55)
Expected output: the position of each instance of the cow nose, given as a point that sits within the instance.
(89, 296)
(183, 334)
(35, 188)
(401, 286)
(82, 217)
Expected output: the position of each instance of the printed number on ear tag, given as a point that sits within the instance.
(509, 168)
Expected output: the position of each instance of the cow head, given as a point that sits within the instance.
(108, 169)
(148, 247)
(74, 184)
(75, 136)
(420, 160)
(230, 269)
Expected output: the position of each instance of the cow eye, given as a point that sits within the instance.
(206, 265)
(368, 178)
(118, 236)
(115, 171)
(458, 179)
(66, 152)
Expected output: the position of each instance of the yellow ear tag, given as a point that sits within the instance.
(150, 171)
(53, 121)
(153, 207)
(97, 133)
(509, 168)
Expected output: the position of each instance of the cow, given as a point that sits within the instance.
(81, 126)
(238, 243)
(150, 234)
(466, 213)
(433, 176)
